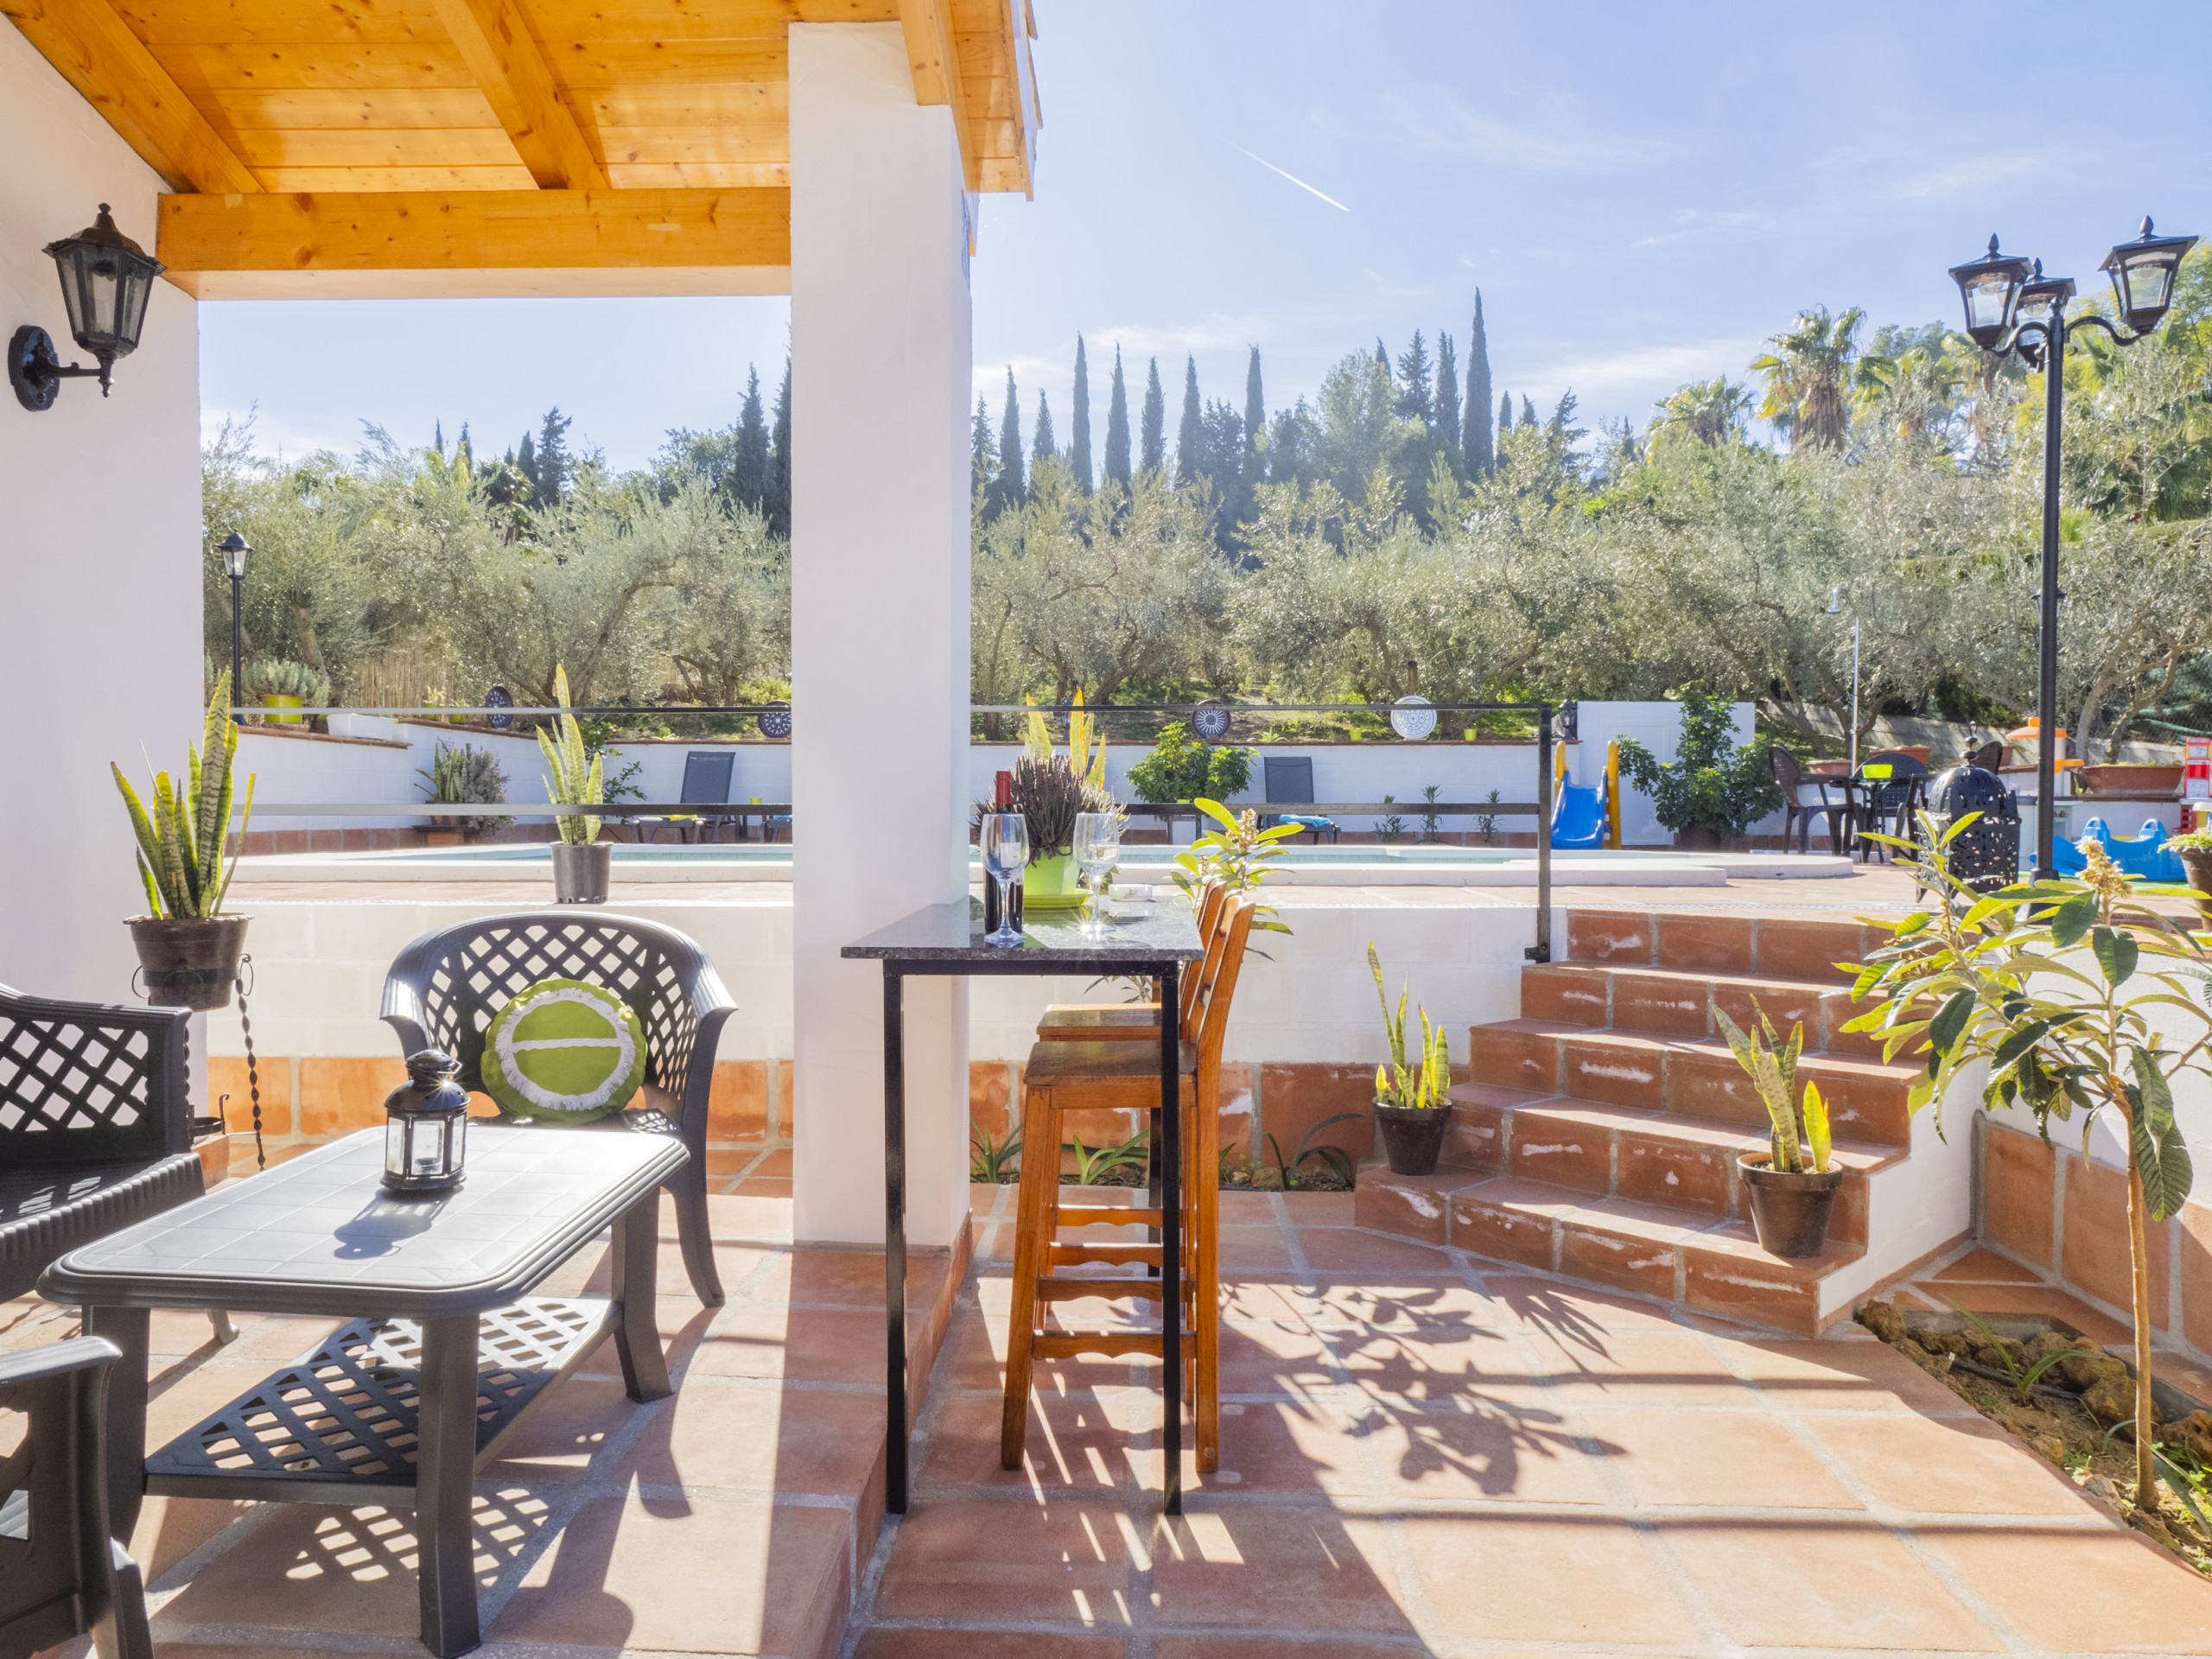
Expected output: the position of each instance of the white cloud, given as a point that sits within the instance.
(1543, 134)
(1633, 379)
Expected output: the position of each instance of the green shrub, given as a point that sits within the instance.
(1182, 768)
(1708, 784)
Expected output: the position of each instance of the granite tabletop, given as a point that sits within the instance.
(1162, 931)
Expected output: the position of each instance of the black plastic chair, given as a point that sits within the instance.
(706, 775)
(1290, 779)
(95, 1128)
(445, 988)
(1799, 813)
(1887, 803)
(1990, 757)
(61, 1574)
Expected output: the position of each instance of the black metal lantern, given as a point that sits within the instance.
(1991, 287)
(106, 280)
(2142, 274)
(426, 1126)
(2042, 302)
(238, 553)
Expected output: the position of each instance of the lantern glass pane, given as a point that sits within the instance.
(2149, 282)
(395, 1145)
(1986, 301)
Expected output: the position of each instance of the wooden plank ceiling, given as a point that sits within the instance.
(400, 147)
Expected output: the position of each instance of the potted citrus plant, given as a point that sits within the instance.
(1412, 1103)
(188, 951)
(580, 863)
(1792, 1185)
(2194, 848)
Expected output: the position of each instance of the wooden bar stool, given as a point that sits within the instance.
(1074, 1077)
(1087, 1022)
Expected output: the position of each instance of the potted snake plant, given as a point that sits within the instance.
(580, 863)
(1413, 1106)
(188, 951)
(1792, 1185)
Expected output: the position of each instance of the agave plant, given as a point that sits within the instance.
(180, 841)
(1772, 1068)
(1424, 1085)
(276, 676)
(574, 780)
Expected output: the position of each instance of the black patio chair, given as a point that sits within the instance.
(1290, 779)
(61, 1574)
(95, 1128)
(1990, 757)
(444, 989)
(1798, 813)
(1887, 801)
(706, 775)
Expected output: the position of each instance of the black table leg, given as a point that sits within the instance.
(125, 1416)
(445, 1474)
(1170, 1231)
(637, 1273)
(895, 1239)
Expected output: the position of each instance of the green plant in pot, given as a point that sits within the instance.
(1049, 790)
(275, 682)
(1412, 1103)
(1791, 1186)
(464, 775)
(2080, 999)
(188, 951)
(580, 864)
(1714, 788)
(2194, 848)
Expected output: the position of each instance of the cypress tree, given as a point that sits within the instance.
(1079, 425)
(1012, 492)
(1504, 414)
(1414, 399)
(1191, 435)
(526, 464)
(1152, 436)
(462, 452)
(1042, 447)
(438, 438)
(777, 496)
(1256, 406)
(1447, 394)
(554, 467)
(1528, 410)
(1117, 426)
(748, 472)
(983, 457)
(1478, 445)
(1382, 354)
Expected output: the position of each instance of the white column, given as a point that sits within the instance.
(879, 391)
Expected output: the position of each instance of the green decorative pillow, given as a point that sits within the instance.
(563, 1052)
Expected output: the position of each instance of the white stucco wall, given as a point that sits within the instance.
(99, 554)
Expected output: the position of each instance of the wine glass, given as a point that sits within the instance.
(1006, 852)
(1097, 846)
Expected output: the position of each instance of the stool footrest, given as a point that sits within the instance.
(1106, 1255)
(1068, 1344)
(1049, 1289)
(1106, 1215)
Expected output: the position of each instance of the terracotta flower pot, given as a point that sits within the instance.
(190, 962)
(1789, 1212)
(1413, 1136)
(2197, 862)
(1701, 838)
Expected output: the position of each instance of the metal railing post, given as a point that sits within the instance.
(1541, 951)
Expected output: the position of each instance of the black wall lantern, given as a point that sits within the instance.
(106, 279)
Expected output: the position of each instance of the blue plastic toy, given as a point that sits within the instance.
(2145, 857)
(1578, 818)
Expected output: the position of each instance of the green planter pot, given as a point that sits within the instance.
(272, 700)
(1051, 883)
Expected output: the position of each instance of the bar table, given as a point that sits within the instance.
(948, 939)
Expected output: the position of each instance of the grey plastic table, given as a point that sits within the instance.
(396, 1408)
(948, 939)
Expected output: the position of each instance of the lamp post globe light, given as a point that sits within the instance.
(237, 554)
(2011, 307)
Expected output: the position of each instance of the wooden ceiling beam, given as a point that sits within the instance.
(399, 243)
(934, 59)
(494, 41)
(111, 69)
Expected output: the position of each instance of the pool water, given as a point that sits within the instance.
(743, 853)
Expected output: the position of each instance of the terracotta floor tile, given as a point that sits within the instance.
(738, 1217)
(747, 1437)
(1841, 1376)
(1800, 1585)
(1492, 1452)
(170, 1528)
(832, 1278)
(1254, 1209)
(763, 1187)
(985, 1644)
(1211, 1646)
(1986, 1267)
(973, 1358)
(1962, 1465)
(1072, 1446)
(310, 1568)
(1395, 1302)
(776, 1161)
(1714, 1457)
(1308, 1570)
(1255, 1293)
(1318, 1208)
(1439, 1362)
(1340, 1250)
(278, 1338)
(568, 1430)
(1254, 1247)
(1267, 1358)
(1062, 1561)
(1303, 1449)
(818, 1344)
(733, 1263)
(1571, 1311)
(1555, 1566)
(628, 1573)
(1637, 1368)
(2081, 1590)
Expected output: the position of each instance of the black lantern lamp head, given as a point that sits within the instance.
(1991, 287)
(106, 280)
(237, 552)
(426, 1126)
(2143, 276)
(2042, 302)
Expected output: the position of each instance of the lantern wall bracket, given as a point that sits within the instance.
(36, 373)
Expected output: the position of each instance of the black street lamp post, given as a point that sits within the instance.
(2012, 307)
(237, 553)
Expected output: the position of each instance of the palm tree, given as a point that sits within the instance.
(1711, 411)
(1816, 362)
(1920, 389)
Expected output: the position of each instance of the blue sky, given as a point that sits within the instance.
(1642, 194)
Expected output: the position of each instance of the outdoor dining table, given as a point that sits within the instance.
(445, 1351)
(947, 940)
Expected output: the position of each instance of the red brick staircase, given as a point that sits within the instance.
(1599, 1137)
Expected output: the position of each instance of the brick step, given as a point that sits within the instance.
(1740, 942)
(1679, 1002)
(1699, 1261)
(1692, 1077)
(1656, 1158)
